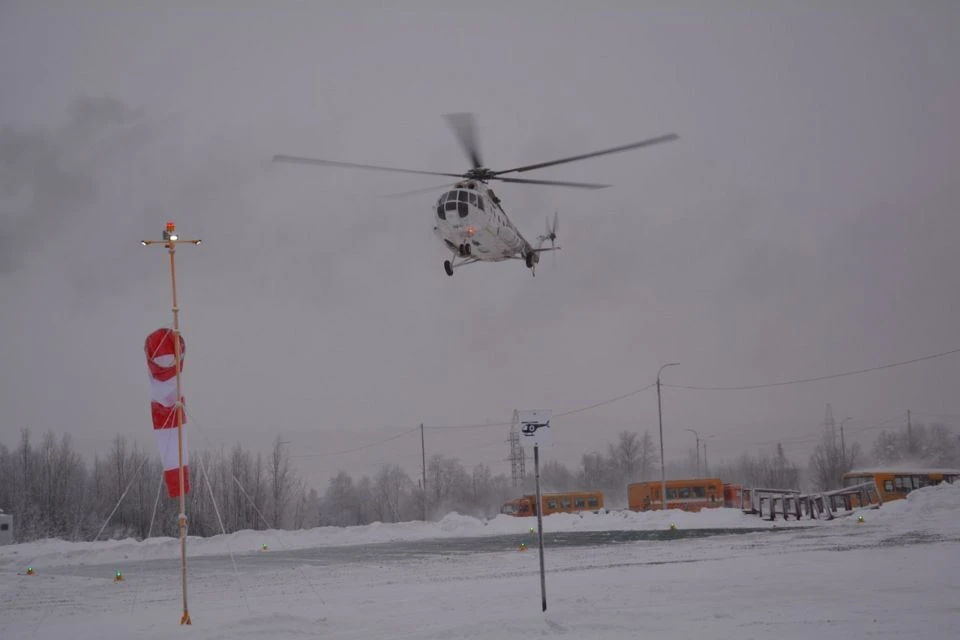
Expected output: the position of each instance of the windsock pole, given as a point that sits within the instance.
(170, 240)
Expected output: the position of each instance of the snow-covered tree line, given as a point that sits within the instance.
(52, 492)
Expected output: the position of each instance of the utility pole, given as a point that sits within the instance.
(423, 456)
(698, 449)
(706, 467)
(663, 471)
(909, 434)
(843, 446)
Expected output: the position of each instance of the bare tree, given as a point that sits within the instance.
(829, 462)
(555, 476)
(281, 481)
(593, 471)
(625, 456)
(647, 457)
(7, 479)
(339, 501)
(389, 487)
(933, 446)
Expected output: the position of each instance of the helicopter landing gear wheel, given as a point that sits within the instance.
(529, 261)
(448, 267)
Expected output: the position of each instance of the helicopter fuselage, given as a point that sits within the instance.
(468, 219)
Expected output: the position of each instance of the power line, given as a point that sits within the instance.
(816, 379)
(605, 402)
(556, 415)
(361, 447)
(949, 416)
(809, 438)
(650, 386)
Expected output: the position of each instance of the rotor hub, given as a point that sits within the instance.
(480, 173)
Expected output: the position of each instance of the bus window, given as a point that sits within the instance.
(851, 481)
(904, 483)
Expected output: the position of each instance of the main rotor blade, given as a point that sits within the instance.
(636, 145)
(445, 187)
(464, 125)
(554, 183)
(331, 163)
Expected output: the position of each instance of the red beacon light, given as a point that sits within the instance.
(170, 233)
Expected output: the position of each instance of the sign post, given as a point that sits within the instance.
(535, 427)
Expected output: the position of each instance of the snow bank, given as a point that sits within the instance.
(935, 509)
(931, 507)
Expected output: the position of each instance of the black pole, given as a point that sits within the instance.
(663, 472)
(543, 580)
(423, 454)
(697, 434)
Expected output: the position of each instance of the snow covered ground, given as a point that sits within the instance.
(895, 575)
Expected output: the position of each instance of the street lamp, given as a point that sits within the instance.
(663, 472)
(694, 432)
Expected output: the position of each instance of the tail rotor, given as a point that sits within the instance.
(552, 236)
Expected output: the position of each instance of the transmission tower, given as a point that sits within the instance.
(828, 424)
(518, 469)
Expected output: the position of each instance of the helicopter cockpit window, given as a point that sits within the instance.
(473, 198)
(451, 205)
(463, 209)
(480, 203)
(440, 212)
(464, 196)
(452, 195)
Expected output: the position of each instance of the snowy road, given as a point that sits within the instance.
(893, 576)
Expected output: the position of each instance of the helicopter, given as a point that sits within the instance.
(468, 217)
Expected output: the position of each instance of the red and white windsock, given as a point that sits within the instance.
(161, 361)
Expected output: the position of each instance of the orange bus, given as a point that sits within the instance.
(688, 495)
(895, 483)
(733, 495)
(563, 502)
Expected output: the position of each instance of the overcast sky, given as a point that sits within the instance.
(804, 224)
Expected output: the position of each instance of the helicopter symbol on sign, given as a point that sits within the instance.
(529, 428)
(534, 425)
